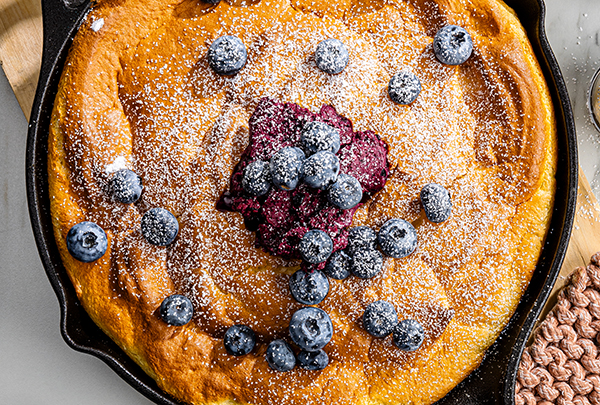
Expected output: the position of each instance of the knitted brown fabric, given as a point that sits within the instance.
(562, 365)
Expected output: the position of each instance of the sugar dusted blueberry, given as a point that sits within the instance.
(397, 238)
(318, 136)
(227, 55)
(176, 310)
(280, 356)
(239, 340)
(86, 242)
(257, 178)
(126, 186)
(286, 167)
(346, 192)
(404, 87)
(361, 238)
(159, 227)
(436, 202)
(338, 266)
(311, 328)
(313, 361)
(380, 318)
(315, 246)
(366, 263)
(309, 288)
(321, 170)
(331, 56)
(408, 335)
(452, 45)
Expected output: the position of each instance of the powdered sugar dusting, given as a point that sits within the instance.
(118, 164)
(97, 25)
(183, 128)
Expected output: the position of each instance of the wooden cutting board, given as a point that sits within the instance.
(21, 55)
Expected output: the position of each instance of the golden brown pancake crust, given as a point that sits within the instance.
(137, 92)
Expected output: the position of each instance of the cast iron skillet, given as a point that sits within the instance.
(492, 382)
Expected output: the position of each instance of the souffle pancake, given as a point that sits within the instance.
(301, 202)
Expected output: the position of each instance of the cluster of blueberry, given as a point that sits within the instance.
(310, 329)
(321, 169)
(397, 238)
(452, 45)
(380, 320)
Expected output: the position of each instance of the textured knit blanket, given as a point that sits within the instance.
(562, 365)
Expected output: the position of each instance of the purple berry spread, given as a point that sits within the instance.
(281, 217)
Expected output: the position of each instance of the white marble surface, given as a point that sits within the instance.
(573, 29)
(39, 368)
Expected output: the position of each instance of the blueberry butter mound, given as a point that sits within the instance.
(281, 217)
(258, 219)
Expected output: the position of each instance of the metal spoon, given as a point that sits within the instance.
(594, 100)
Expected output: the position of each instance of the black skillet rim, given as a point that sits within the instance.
(492, 382)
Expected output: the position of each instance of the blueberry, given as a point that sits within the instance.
(404, 87)
(257, 178)
(452, 45)
(239, 340)
(331, 56)
(380, 318)
(321, 170)
(176, 310)
(227, 55)
(318, 136)
(313, 360)
(280, 356)
(159, 227)
(338, 266)
(436, 202)
(361, 238)
(397, 238)
(345, 193)
(408, 335)
(315, 246)
(310, 328)
(213, 2)
(286, 167)
(366, 263)
(86, 242)
(126, 186)
(309, 288)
